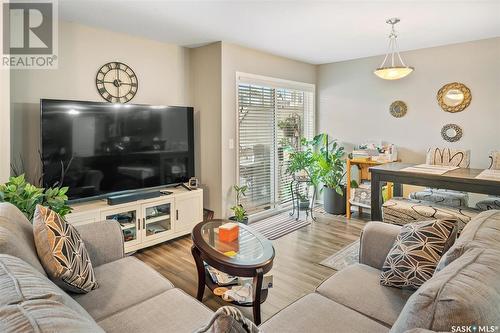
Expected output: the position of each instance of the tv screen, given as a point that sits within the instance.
(100, 148)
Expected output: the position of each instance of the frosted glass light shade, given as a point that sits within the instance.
(393, 73)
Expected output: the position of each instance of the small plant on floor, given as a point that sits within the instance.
(25, 196)
(240, 214)
(303, 201)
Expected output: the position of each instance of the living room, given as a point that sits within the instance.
(250, 166)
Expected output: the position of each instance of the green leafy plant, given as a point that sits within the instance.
(330, 162)
(290, 125)
(239, 211)
(321, 160)
(240, 214)
(301, 161)
(25, 196)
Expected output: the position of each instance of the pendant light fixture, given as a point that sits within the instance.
(394, 70)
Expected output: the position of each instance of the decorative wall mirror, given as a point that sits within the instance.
(454, 97)
(451, 132)
(398, 109)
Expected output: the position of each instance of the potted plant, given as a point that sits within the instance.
(240, 214)
(303, 201)
(330, 169)
(301, 161)
(25, 196)
(290, 125)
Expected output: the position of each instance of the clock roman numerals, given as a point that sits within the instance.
(116, 82)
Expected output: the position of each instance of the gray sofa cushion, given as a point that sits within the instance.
(377, 240)
(481, 232)
(44, 315)
(20, 281)
(316, 313)
(122, 283)
(16, 236)
(103, 241)
(356, 284)
(30, 302)
(465, 292)
(170, 311)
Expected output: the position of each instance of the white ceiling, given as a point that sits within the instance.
(312, 31)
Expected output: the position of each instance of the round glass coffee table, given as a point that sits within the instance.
(251, 255)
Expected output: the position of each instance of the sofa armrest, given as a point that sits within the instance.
(377, 240)
(103, 241)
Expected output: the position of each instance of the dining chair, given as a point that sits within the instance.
(445, 157)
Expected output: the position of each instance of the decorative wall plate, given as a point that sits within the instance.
(451, 132)
(454, 97)
(116, 82)
(398, 109)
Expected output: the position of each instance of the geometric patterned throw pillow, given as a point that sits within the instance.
(62, 252)
(416, 252)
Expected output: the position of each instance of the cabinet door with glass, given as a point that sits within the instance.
(157, 219)
(129, 220)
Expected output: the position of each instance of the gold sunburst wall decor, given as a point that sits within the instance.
(398, 109)
(454, 97)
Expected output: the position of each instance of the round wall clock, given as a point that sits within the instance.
(116, 82)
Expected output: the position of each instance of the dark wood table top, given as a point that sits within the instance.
(461, 174)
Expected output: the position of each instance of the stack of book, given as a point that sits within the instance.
(360, 153)
(361, 196)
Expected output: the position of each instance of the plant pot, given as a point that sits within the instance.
(304, 204)
(245, 221)
(334, 203)
(289, 131)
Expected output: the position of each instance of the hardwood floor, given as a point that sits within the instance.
(296, 267)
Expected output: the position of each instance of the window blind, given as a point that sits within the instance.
(256, 145)
(270, 118)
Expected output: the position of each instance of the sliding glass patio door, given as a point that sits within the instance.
(270, 118)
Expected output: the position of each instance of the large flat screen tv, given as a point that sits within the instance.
(100, 148)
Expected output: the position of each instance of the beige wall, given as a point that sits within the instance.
(162, 69)
(206, 92)
(4, 125)
(240, 59)
(353, 103)
(4, 117)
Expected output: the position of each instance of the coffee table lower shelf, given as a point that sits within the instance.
(211, 285)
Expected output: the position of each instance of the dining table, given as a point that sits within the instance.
(460, 179)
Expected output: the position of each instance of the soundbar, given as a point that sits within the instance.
(124, 198)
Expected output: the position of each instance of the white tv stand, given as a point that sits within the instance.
(146, 222)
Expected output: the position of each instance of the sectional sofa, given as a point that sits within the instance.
(132, 297)
(465, 292)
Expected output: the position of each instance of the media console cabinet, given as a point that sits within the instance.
(146, 222)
